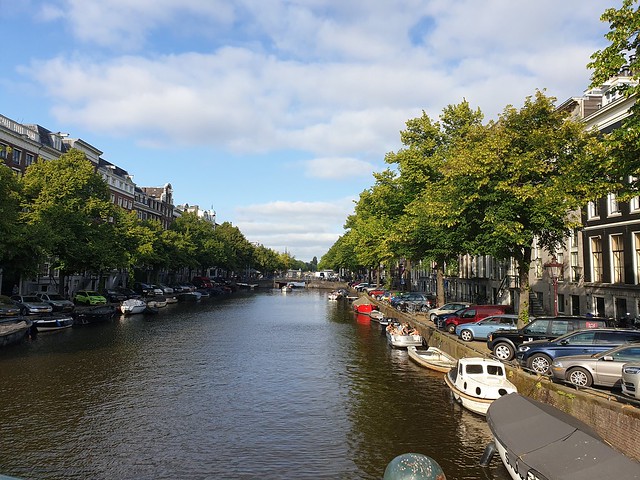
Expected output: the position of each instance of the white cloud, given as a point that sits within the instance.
(338, 168)
(304, 229)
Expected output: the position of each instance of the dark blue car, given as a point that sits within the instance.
(538, 355)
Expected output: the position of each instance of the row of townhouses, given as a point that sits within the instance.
(20, 146)
(598, 269)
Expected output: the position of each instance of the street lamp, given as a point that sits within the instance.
(555, 268)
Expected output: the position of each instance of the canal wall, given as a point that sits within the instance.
(617, 422)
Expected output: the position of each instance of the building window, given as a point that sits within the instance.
(634, 204)
(596, 259)
(560, 259)
(636, 246)
(592, 210)
(28, 159)
(617, 258)
(575, 267)
(560, 303)
(614, 207)
(16, 156)
(3, 151)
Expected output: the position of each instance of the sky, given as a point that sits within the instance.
(276, 113)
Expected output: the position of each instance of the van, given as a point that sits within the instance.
(473, 314)
(505, 343)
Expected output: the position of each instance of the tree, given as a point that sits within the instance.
(68, 212)
(622, 55)
(518, 180)
(430, 228)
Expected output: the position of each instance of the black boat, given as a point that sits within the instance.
(97, 314)
(537, 441)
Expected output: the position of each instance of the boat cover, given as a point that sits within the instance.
(546, 443)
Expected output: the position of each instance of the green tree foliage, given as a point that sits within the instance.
(16, 250)
(430, 228)
(622, 55)
(69, 215)
(518, 180)
(237, 251)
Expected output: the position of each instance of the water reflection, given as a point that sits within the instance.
(261, 385)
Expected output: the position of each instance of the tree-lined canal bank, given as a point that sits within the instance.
(257, 385)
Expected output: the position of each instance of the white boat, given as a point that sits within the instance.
(476, 382)
(287, 288)
(404, 341)
(376, 315)
(536, 440)
(432, 358)
(157, 302)
(53, 324)
(133, 306)
(171, 299)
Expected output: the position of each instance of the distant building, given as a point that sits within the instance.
(207, 215)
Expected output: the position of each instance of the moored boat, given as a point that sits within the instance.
(53, 323)
(376, 315)
(476, 382)
(13, 331)
(189, 296)
(538, 441)
(432, 358)
(91, 315)
(133, 306)
(157, 302)
(403, 336)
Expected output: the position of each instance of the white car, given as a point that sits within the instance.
(631, 379)
(446, 308)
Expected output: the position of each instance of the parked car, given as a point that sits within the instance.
(146, 290)
(631, 379)
(114, 296)
(416, 302)
(166, 289)
(442, 318)
(31, 305)
(603, 369)
(446, 308)
(504, 343)
(473, 314)
(202, 282)
(481, 329)
(128, 292)
(538, 355)
(57, 302)
(8, 308)
(89, 297)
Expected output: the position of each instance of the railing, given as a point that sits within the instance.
(19, 128)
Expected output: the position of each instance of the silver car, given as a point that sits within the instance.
(604, 368)
(631, 379)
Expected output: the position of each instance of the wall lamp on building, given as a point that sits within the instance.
(577, 273)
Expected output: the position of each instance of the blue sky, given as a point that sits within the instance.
(275, 113)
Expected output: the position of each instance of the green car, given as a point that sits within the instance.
(89, 297)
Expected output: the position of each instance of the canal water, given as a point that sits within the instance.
(265, 385)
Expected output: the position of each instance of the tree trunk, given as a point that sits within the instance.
(441, 294)
(524, 264)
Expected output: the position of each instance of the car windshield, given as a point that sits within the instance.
(30, 299)
(55, 296)
(93, 294)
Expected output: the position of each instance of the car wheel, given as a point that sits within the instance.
(466, 335)
(433, 318)
(503, 351)
(580, 377)
(451, 328)
(23, 311)
(539, 363)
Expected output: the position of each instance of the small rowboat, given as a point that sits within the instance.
(432, 358)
